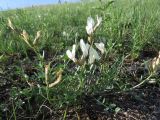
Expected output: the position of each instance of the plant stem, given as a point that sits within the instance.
(142, 82)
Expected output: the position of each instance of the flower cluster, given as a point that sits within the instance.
(87, 49)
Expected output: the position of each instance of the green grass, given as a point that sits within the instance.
(128, 28)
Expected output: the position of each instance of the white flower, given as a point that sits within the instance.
(71, 54)
(93, 55)
(84, 47)
(100, 46)
(90, 25)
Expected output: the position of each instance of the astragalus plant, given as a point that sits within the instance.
(89, 53)
(88, 56)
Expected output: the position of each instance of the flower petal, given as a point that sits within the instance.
(100, 46)
(93, 55)
(90, 22)
(90, 25)
(84, 48)
(74, 50)
(89, 30)
(69, 54)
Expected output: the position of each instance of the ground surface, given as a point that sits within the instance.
(140, 104)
